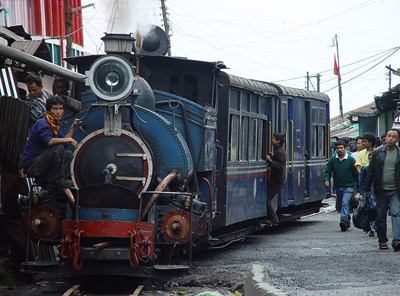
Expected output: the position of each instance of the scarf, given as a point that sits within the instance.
(53, 123)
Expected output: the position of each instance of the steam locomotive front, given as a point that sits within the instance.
(131, 168)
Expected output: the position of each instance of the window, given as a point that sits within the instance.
(234, 102)
(55, 53)
(234, 138)
(245, 102)
(253, 139)
(245, 138)
(318, 137)
(284, 118)
(262, 140)
(263, 106)
(254, 104)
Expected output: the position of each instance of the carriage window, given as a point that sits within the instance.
(253, 139)
(245, 138)
(245, 102)
(318, 132)
(254, 104)
(314, 140)
(262, 140)
(234, 138)
(321, 144)
(284, 118)
(184, 86)
(263, 106)
(234, 101)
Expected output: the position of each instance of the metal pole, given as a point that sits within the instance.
(339, 78)
(166, 24)
(68, 24)
(38, 63)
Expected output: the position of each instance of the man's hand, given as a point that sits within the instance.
(73, 142)
(76, 122)
(326, 183)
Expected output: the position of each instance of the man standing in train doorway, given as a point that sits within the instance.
(277, 163)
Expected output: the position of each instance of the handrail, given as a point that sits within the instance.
(270, 138)
(327, 148)
(292, 145)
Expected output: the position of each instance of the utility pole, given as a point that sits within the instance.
(395, 72)
(318, 77)
(335, 43)
(166, 24)
(68, 24)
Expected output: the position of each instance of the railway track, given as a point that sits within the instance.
(86, 289)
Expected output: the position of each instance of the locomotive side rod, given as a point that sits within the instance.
(33, 61)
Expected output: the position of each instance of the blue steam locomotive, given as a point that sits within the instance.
(172, 159)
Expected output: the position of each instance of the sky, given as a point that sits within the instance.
(274, 41)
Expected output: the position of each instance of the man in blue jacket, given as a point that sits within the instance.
(44, 156)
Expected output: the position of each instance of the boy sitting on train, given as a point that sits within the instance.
(44, 157)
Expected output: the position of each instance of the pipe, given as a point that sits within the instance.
(161, 186)
(31, 60)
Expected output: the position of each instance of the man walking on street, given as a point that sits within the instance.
(368, 141)
(345, 178)
(384, 174)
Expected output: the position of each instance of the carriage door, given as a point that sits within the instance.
(307, 151)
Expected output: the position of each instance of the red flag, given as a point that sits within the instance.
(336, 68)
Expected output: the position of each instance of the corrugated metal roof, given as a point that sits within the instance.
(29, 47)
(9, 35)
(296, 92)
(261, 88)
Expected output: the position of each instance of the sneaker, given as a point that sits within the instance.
(371, 233)
(396, 246)
(343, 225)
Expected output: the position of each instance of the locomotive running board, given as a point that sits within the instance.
(171, 267)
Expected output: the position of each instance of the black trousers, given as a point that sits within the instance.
(52, 166)
(272, 191)
(15, 231)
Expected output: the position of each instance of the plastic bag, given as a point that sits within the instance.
(361, 214)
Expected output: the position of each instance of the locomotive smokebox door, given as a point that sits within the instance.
(127, 155)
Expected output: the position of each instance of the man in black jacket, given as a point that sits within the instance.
(384, 173)
(277, 163)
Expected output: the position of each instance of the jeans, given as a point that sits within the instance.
(382, 206)
(345, 193)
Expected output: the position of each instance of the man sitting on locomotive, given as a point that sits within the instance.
(44, 156)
